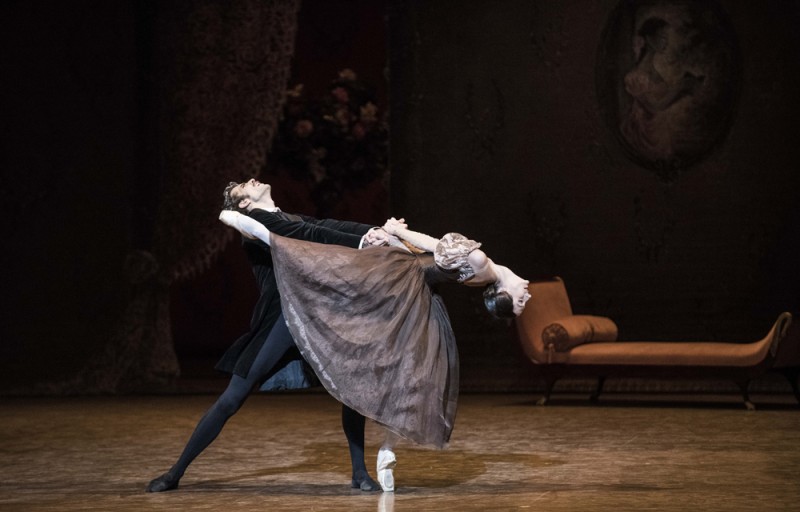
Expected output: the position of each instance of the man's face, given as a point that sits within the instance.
(249, 192)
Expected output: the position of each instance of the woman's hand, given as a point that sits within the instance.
(393, 225)
(247, 226)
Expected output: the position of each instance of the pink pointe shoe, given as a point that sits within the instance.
(386, 463)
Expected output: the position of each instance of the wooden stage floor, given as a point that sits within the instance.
(287, 452)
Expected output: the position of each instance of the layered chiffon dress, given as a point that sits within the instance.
(371, 325)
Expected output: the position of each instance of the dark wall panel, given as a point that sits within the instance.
(501, 131)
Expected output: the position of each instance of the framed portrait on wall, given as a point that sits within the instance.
(667, 80)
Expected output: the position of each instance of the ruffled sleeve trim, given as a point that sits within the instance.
(451, 254)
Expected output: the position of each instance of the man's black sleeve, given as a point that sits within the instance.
(305, 230)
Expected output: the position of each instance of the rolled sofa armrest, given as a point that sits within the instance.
(566, 333)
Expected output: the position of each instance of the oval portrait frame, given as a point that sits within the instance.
(667, 79)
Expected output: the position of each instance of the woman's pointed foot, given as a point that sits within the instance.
(362, 480)
(386, 463)
(165, 482)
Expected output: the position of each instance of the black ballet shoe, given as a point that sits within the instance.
(362, 480)
(166, 482)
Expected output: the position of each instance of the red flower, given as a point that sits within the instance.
(359, 131)
(303, 128)
(340, 94)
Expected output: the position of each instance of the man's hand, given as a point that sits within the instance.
(376, 236)
(393, 225)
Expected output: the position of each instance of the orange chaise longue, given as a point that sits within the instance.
(562, 344)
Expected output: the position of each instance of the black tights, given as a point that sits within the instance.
(210, 425)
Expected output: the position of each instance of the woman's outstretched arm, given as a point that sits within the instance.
(247, 226)
(486, 271)
(398, 228)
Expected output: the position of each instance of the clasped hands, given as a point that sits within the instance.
(383, 234)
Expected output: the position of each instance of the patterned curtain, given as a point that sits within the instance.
(220, 71)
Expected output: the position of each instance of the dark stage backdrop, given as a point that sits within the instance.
(82, 162)
(69, 153)
(212, 310)
(123, 121)
(511, 123)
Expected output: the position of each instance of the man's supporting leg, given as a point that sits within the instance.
(353, 424)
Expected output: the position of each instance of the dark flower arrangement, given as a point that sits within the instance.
(336, 143)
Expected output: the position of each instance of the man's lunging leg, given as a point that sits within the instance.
(210, 425)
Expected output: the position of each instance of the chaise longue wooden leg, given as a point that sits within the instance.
(743, 386)
(548, 389)
(549, 383)
(596, 394)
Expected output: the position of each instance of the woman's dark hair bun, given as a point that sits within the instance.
(498, 304)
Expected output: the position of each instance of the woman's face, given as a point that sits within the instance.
(519, 294)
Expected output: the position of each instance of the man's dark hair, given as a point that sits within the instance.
(498, 304)
(228, 202)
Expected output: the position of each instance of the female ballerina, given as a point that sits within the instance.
(373, 328)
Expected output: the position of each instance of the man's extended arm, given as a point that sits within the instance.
(311, 231)
(355, 228)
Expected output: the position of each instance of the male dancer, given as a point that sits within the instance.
(264, 350)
